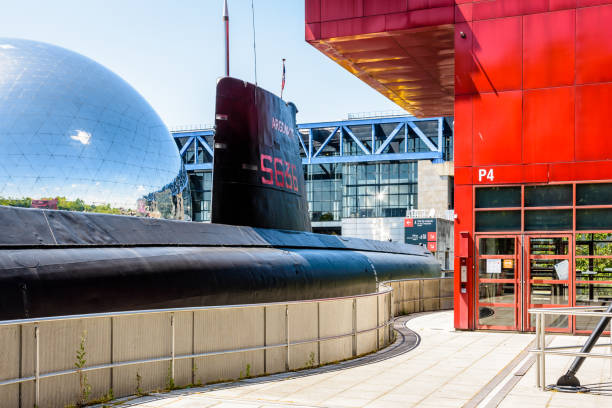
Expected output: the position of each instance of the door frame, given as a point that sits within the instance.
(517, 257)
(526, 280)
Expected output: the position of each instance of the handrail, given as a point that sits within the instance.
(383, 290)
(187, 356)
(541, 350)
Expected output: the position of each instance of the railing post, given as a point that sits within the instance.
(543, 346)
(390, 317)
(354, 327)
(610, 348)
(173, 342)
(265, 341)
(112, 356)
(377, 322)
(37, 365)
(538, 347)
(193, 360)
(287, 334)
(319, 332)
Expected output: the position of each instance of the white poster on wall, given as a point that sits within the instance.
(494, 265)
(562, 269)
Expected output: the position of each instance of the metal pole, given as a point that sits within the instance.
(287, 334)
(37, 365)
(538, 347)
(377, 322)
(173, 342)
(354, 327)
(543, 344)
(265, 333)
(193, 360)
(112, 356)
(319, 332)
(390, 315)
(610, 349)
(226, 23)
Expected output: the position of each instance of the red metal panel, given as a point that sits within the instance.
(420, 18)
(535, 173)
(581, 171)
(341, 9)
(497, 48)
(464, 60)
(586, 3)
(497, 174)
(593, 44)
(463, 175)
(313, 31)
(374, 7)
(463, 130)
(548, 125)
(561, 4)
(433, 16)
(548, 49)
(497, 128)
(398, 21)
(463, 222)
(440, 3)
(511, 174)
(464, 211)
(534, 6)
(496, 9)
(593, 141)
(353, 26)
(313, 11)
(463, 12)
(506, 8)
(417, 4)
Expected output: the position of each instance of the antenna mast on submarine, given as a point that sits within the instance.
(226, 22)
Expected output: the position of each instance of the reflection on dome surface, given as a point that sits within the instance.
(71, 129)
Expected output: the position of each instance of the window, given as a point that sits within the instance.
(548, 196)
(385, 189)
(497, 197)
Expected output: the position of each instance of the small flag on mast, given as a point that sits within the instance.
(283, 81)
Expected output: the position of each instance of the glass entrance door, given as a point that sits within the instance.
(498, 273)
(548, 272)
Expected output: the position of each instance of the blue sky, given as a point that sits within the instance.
(172, 52)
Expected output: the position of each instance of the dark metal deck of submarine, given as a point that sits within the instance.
(60, 263)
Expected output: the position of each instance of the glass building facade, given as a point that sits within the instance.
(350, 190)
(75, 136)
(353, 169)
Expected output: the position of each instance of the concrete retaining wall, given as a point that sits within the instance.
(110, 340)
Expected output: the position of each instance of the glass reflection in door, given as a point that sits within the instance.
(497, 267)
(547, 278)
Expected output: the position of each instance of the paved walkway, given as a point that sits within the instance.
(448, 369)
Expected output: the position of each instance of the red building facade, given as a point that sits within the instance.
(529, 83)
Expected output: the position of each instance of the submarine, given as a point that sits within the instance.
(257, 249)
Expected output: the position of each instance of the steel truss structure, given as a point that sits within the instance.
(348, 141)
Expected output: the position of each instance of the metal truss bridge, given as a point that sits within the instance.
(348, 141)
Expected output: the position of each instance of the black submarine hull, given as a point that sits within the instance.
(62, 263)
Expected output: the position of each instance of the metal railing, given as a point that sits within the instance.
(430, 213)
(541, 350)
(384, 290)
(191, 127)
(377, 114)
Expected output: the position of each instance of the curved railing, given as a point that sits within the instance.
(83, 358)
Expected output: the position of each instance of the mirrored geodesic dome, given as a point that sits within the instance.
(74, 135)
